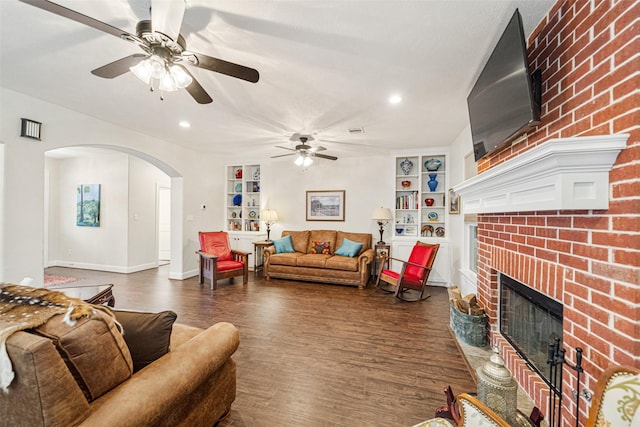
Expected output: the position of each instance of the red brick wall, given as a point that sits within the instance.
(589, 54)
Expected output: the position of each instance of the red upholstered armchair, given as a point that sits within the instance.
(413, 275)
(218, 260)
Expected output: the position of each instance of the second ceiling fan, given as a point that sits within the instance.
(304, 151)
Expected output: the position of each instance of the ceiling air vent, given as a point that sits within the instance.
(356, 130)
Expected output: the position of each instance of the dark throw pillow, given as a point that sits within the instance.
(147, 334)
(321, 248)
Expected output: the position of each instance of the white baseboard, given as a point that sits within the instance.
(177, 275)
(103, 267)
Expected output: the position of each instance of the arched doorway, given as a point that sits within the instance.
(128, 238)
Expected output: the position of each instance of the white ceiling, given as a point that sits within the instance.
(325, 67)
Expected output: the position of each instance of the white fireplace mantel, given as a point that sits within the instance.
(560, 174)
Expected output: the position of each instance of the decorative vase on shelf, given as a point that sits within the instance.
(433, 182)
(432, 165)
(406, 165)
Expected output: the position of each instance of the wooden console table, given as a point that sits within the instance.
(93, 294)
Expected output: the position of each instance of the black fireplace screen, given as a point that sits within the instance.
(530, 321)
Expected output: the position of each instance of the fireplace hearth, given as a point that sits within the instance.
(529, 321)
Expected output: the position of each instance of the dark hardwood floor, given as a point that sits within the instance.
(314, 354)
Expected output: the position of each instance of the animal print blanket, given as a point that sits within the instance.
(24, 307)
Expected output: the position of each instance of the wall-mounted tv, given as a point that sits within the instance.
(505, 100)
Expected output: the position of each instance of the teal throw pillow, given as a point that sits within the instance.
(349, 248)
(283, 245)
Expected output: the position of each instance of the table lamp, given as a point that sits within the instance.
(383, 216)
(269, 217)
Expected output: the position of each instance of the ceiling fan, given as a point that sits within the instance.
(165, 51)
(304, 151)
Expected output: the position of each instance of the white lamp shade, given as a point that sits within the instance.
(382, 214)
(269, 215)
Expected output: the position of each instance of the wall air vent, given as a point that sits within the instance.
(30, 129)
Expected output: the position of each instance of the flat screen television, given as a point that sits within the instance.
(505, 100)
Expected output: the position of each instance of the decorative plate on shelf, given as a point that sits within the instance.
(433, 216)
(239, 187)
(252, 214)
(233, 214)
(440, 231)
(237, 200)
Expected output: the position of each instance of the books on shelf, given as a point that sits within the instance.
(408, 201)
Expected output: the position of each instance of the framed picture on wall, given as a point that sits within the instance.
(88, 205)
(454, 202)
(325, 205)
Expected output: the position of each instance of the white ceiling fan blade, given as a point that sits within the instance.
(166, 17)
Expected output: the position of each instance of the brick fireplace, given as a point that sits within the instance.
(587, 257)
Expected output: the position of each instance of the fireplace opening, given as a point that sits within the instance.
(529, 321)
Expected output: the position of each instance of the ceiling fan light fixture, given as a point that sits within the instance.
(181, 77)
(158, 67)
(307, 162)
(299, 160)
(171, 78)
(142, 70)
(168, 83)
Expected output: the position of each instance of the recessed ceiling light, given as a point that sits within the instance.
(185, 124)
(395, 99)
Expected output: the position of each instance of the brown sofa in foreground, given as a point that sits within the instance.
(303, 264)
(194, 384)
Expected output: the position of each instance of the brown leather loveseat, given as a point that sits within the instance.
(313, 258)
(85, 376)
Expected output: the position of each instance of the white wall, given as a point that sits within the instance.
(144, 179)
(2, 236)
(197, 178)
(84, 247)
(461, 277)
(284, 186)
(194, 179)
(126, 239)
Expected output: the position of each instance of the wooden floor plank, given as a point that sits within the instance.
(314, 354)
